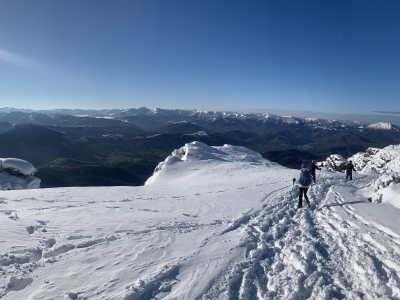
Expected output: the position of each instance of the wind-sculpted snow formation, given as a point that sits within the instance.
(211, 223)
(17, 174)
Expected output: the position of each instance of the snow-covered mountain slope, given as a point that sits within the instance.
(211, 223)
(4, 127)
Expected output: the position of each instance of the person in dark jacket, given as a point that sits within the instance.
(312, 167)
(304, 182)
(349, 170)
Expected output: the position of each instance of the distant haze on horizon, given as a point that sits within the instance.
(339, 57)
(371, 117)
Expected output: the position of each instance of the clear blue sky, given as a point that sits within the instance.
(329, 56)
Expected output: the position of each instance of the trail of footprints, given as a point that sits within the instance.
(313, 254)
(18, 265)
(290, 254)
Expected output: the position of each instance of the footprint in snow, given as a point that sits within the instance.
(18, 283)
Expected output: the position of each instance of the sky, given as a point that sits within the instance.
(325, 56)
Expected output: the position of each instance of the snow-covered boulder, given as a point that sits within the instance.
(386, 160)
(335, 162)
(17, 167)
(17, 174)
(387, 189)
(385, 180)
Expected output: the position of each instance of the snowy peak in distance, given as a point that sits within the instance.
(145, 119)
(197, 157)
(383, 126)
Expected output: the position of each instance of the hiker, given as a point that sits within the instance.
(349, 170)
(304, 182)
(312, 167)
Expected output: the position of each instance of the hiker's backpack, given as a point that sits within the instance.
(349, 167)
(305, 177)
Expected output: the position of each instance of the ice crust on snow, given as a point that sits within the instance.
(212, 223)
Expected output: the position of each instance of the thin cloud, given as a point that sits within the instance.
(387, 112)
(19, 60)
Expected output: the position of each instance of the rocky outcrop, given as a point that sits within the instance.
(335, 162)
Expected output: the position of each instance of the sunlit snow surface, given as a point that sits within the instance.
(212, 223)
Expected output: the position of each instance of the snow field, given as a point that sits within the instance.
(328, 252)
(212, 223)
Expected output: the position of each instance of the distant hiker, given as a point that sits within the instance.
(304, 182)
(349, 170)
(312, 167)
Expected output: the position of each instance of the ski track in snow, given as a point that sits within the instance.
(313, 253)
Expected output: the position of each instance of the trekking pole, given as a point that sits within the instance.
(294, 180)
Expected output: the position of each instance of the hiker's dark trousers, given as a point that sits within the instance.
(303, 191)
(313, 175)
(349, 175)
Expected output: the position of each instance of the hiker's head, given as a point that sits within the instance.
(313, 161)
(350, 162)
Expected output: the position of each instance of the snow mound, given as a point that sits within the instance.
(386, 180)
(198, 153)
(4, 127)
(387, 189)
(386, 160)
(17, 174)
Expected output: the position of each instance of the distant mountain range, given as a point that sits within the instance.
(122, 147)
(163, 120)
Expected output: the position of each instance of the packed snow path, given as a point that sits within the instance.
(326, 252)
(214, 223)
